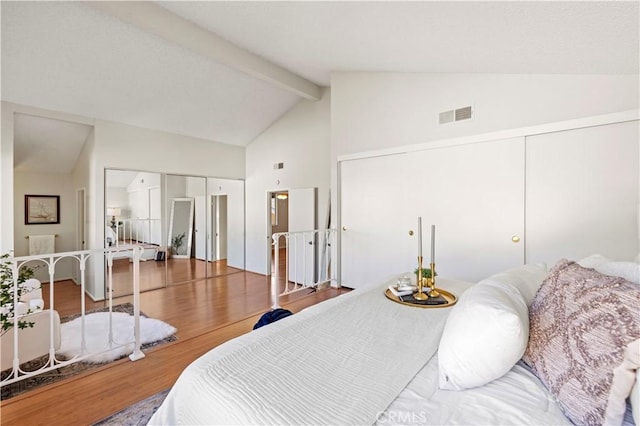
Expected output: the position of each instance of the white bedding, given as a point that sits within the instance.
(110, 236)
(517, 398)
(346, 361)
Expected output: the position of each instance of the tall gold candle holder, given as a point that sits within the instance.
(420, 295)
(431, 282)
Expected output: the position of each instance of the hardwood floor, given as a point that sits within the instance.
(206, 314)
(154, 274)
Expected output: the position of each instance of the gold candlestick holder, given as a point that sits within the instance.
(431, 282)
(420, 295)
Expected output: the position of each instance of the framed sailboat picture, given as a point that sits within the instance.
(41, 209)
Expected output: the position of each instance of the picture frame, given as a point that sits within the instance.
(41, 209)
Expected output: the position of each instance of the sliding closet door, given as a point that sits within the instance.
(375, 220)
(474, 195)
(582, 193)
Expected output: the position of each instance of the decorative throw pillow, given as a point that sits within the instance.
(580, 323)
(486, 333)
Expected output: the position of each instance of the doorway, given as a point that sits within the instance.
(293, 211)
(278, 221)
(218, 226)
(81, 219)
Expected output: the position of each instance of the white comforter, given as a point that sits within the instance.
(340, 362)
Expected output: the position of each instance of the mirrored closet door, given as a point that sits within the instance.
(191, 227)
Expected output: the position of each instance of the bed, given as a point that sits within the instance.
(363, 359)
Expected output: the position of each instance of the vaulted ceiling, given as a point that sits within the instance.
(226, 70)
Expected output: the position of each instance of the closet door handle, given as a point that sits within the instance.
(411, 232)
(344, 228)
(515, 239)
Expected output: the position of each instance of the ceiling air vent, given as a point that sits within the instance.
(459, 114)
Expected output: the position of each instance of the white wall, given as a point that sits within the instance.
(6, 180)
(114, 145)
(372, 111)
(46, 184)
(84, 177)
(134, 148)
(300, 140)
(144, 180)
(7, 213)
(128, 147)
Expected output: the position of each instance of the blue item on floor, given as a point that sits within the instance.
(272, 316)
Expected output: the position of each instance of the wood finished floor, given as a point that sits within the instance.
(206, 314)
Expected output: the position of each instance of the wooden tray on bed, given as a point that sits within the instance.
(450, 300)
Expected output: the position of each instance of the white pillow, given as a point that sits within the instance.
(21, 308)
(630, 271)
(527, 279)
(486, 333)
(593, 261)
(624, 377)
(635, 399)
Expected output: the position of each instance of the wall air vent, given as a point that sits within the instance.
(447, 116)
(454, 115)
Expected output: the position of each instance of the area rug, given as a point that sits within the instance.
(97, 335)
(137, 414)
(25, 385)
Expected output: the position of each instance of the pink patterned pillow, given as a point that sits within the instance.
(580, 323)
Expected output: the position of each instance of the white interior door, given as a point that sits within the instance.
(212, 240)
(375, 219)
(155, 213)
(302, 248)
(474, 195)
(221, 227)
(200, 227)
(582, 193)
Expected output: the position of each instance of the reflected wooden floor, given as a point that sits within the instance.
(206, 314)
(156, 274)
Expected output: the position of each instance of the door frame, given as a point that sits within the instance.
(271, 195)
(81, 229)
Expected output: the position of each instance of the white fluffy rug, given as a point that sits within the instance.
(97, 335)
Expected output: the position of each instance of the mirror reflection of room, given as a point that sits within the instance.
(134, 216)
(191, 228)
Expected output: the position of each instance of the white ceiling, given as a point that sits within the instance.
(77, 58)
(314, 38)
(43, 144)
